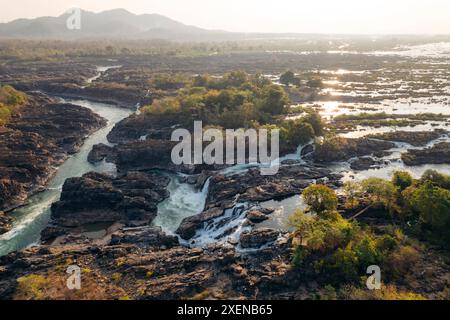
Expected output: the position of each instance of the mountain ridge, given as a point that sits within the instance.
(110, 24)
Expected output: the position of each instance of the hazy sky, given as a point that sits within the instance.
(310, 16)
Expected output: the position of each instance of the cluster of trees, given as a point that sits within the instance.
(10, 101)
(289, 78)
(301, 131)
(422, 204)
(340, 249)
(236, 100)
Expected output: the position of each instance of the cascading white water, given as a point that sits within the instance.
(228, 227)
(185, 200)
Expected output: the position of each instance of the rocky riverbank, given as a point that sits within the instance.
(437, 154)
(97, 198)
(36, 141)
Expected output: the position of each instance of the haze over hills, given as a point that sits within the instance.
(120, 24)
(117, 23)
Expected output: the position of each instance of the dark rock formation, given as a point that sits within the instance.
(307, 150)
(35, 141)
(123, 96)
(100, 152)
(144, 155)
(256, 238)
(343, 149)
(365, 163)
(153, 126)
(415, 138)
(438, 154)
(145, 236)
(190, 225)
(259, 215)
(96, 198)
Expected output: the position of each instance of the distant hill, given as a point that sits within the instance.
(114, 24)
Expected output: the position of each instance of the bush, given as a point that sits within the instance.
(10, 101)
(32, 286)
(400, 262)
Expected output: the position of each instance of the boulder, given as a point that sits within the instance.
(96, 198)
(437, 154)
(146, 235)
(259, 215)
(256, 238)
(343, 149)
(100, 152)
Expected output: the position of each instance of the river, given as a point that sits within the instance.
(32, 218)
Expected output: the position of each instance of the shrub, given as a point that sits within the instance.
(32, 286)
(401, 261)
(10, 101)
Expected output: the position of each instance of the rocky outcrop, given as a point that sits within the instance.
(252, 186)
(256, 238)
(144, 236)
(131, 199)
(122, 96)
(259, 215)
(145, 155)
(437, 154)
(151, 126)
(148, 154)
(225, 191)
(342, 149)
(365, 163)
(35, 141)
(100, 152)
(190, 225)
(415, 138)
(141, 272)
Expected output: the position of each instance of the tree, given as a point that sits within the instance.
(382, 192)
(437, 178)
(297, 132)
(315, 82)
(402, 179)
(433, 204)
(321, 199)
(352, 191)
(316, 121)
(274, 100)
(287, 78)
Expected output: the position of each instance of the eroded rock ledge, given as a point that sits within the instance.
(94, 198)
(437, 154)
(35, 141)
(252, 187)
